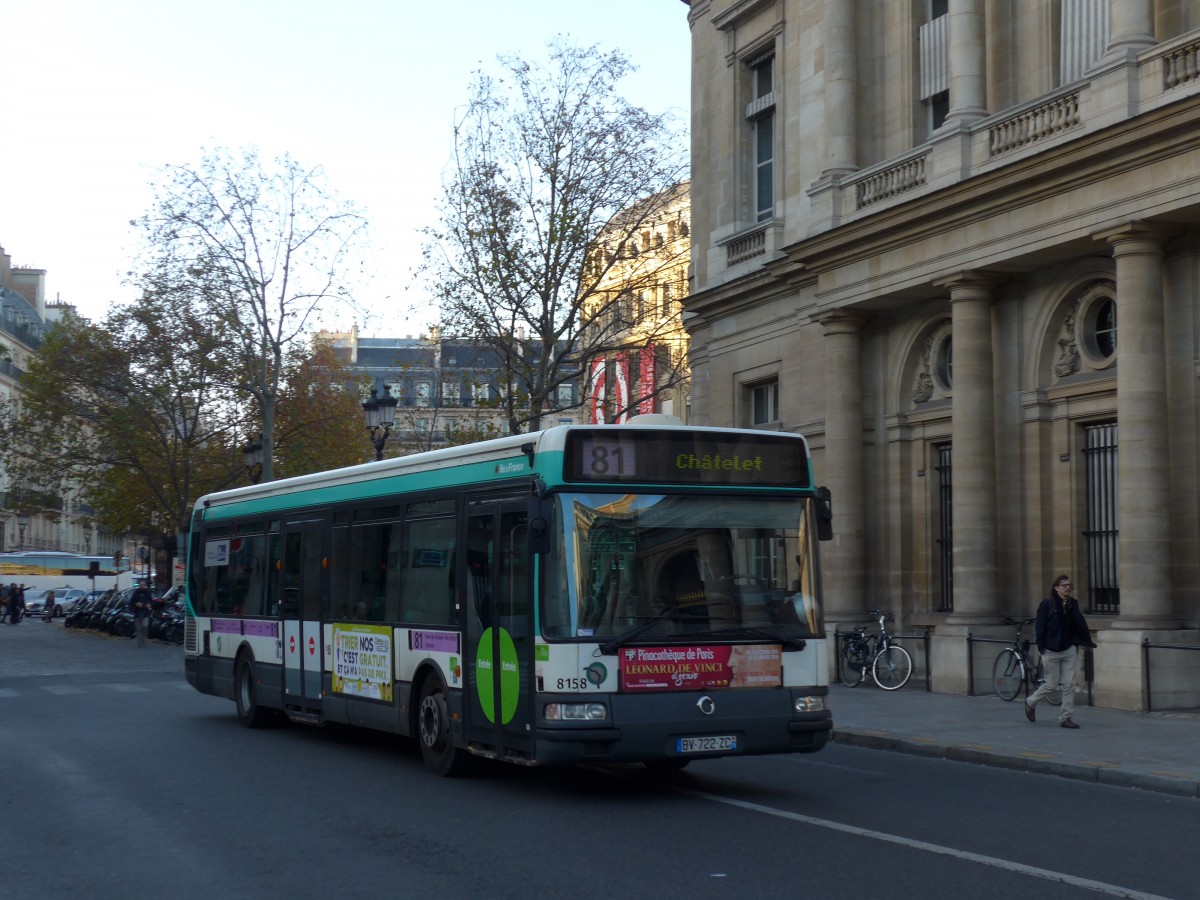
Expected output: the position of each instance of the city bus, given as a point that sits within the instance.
(644, 592)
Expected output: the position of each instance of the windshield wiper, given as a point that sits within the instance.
(674, 614)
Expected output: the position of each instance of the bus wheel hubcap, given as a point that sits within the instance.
(431, 724)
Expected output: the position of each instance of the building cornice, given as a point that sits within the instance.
(1134, 143)
(739, 12)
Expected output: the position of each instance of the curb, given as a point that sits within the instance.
(1040, 764)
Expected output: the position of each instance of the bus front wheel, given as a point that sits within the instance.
(433, 731)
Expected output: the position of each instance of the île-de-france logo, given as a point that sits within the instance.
(596, 673)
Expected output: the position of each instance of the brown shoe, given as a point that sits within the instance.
(1030, 713)
(1067, 723)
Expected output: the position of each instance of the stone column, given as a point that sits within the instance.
(1143, 474)
(968, 61)
(840, 89)
(1130, 26)
(844, 565)
(973, 503)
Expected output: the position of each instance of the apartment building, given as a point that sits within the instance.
(635, 336)
(448, 390)
(33, 519)
(955, 244)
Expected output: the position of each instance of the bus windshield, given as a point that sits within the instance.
(682, 567)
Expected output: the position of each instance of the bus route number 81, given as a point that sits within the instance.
(604, 460)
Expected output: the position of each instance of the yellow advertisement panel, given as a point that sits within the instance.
(363, 661)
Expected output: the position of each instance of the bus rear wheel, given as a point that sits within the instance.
(433, 731)
(249, 713)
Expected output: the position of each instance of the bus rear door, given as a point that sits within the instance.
(499, 651)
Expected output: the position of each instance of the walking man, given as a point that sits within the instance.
(1061, 630)
(141, 600)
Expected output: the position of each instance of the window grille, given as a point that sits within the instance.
(945, 543)
(1100, 462)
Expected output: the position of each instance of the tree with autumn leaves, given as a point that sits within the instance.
(138, 415)
(135, 416)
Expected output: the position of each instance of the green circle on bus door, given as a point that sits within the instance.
(510, 677)
(485, 676)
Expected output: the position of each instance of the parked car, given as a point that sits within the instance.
(65, 599)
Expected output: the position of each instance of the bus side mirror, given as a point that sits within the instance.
(541, 514)
(824, 512)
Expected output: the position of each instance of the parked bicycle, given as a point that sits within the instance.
(889, 663)
(1014, 668)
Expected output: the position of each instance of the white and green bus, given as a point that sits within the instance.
(608, 593)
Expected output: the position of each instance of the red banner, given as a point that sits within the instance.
(700, 668)
(646, 380)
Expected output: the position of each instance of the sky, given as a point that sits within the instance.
(99, 95)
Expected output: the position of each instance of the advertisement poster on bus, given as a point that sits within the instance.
(362, 661)
(700, 667)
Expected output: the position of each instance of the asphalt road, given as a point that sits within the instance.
(144, 788)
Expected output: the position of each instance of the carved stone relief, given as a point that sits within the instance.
(924, 386)
(1067, 362)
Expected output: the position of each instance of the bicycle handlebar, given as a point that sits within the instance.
(1009, 620)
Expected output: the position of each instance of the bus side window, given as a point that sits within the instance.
(426, 594)
(339, 574)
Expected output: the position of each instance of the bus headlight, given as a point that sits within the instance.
(576, 712)
(809, 704)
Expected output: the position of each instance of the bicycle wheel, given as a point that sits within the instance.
(1007, 675)
(1054, 698)
(892, 668)
(854, 664)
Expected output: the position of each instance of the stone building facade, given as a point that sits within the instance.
(31, 519)
(956, 243)
(635, 336)
(448, 390)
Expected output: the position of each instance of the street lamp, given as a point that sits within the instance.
(380, 412)
(22, 524)
(253, 454)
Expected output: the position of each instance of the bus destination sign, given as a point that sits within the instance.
(685, 457)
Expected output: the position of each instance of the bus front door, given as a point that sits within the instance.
(301, 587)
(499, 651)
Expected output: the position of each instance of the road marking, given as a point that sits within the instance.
(1020, 868)
(127, 688)
(61, 689)
(8, 692)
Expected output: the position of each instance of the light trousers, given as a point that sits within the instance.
(1059, 667)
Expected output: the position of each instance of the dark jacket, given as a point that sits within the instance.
(1060, 627)
(140, 602)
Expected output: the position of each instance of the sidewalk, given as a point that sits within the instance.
(1152, 751)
